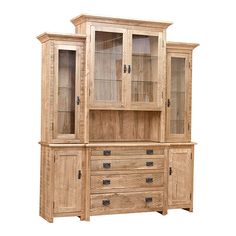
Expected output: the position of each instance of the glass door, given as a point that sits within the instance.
(108, 65)
(66, 92)
(177, 92)
(144, 69)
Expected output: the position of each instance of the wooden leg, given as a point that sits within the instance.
(190, 209)
(48, 219)
(84, 218)
(164, 212)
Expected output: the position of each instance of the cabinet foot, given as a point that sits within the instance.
(190, 209)
(164, 212)
(84, 218)
(48, 219)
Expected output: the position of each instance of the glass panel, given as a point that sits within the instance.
(177, 95)
(108, 66)
(66, 92)
(144, 68)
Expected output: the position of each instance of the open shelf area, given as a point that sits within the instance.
(121, 125)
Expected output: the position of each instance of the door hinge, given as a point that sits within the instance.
(78, 100)
(190, 196)
(191, 156)
(170, 171)
(188, 126)
(53, 205)
(168, 102)
(54, 158)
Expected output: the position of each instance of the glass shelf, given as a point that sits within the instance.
(109, 90)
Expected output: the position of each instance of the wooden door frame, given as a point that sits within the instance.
(68, 46)
(187, 115)
(106, 104)
(154, 105)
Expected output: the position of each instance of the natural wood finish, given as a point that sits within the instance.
(181, 179)
(178, 94)
(127, 164)
(138, 151)
(110, 143)
(126, 202)
(126, 181)
(123, 126)
(111, 20)
(60, 37)
(67, 181)
(46, 184)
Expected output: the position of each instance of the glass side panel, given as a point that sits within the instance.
(144, 68)
(108, 66)
(177, 114)
(66, 92)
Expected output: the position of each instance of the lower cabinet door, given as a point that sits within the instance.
(180, 183)
(67, 181)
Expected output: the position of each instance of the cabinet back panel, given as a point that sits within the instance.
(124, 125)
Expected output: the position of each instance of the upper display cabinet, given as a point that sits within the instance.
(62, 82)
(126, 62)
(179, 90)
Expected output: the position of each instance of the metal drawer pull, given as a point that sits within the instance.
(106, 182)
(148, 199)
(106, 165)
(106, 202)
(79, 174)
(149, 163)
(149, 152)
(107, 152)
(149, 180)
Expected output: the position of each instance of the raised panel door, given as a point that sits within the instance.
(180, 181)
(67, 181)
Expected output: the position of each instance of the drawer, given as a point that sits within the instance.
(104, 183)
(128, 151)
(126, 202)
(127, 164)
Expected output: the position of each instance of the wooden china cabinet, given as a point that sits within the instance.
(116, 119)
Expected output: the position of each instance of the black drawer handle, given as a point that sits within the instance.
(106, 152)
(149, 152)
(106, 182)
(149, 180)
(106, 165)
(149, 163)
(148, 199)
(106, 202)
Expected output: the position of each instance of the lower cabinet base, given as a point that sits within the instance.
(98, 180)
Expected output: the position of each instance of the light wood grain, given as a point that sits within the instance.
(121, 141)
(67, 182)
(125, 181)
(126, 202)
(180, 180)
(127, 164)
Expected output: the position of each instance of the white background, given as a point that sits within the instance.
(210, 23)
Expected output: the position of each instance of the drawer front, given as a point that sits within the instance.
(126, 202)
(128, 151)
(128, 164)
(111, 182)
